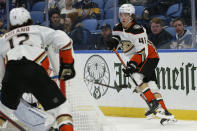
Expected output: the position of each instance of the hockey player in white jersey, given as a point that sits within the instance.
(24, 64)
(143, 58)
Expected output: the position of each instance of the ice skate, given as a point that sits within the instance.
(170, 120)
(154, 105)
(155, 111)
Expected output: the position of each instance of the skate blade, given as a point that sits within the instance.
(165, 122)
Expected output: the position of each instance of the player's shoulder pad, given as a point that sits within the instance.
(136, 29)
(118, 27)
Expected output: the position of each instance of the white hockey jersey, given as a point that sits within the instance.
(133, 39)
(31, 42)
(135, 43)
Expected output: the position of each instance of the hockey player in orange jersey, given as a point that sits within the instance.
(143, 60)
(24, 64)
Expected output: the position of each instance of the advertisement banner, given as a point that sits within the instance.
(102, 74)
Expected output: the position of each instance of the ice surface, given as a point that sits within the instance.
(142, 124)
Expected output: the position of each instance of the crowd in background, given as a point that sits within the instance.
(71, 16)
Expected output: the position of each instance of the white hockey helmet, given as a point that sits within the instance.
(127, 8)
(19, 16)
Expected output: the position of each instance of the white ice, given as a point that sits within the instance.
(142, 124)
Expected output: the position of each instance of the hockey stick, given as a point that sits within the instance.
(122, 62)
(54, 77)
(118, 88)
(12, 122)
(117, 54)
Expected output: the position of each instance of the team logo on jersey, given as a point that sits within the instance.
(96, 76)
(126, 46)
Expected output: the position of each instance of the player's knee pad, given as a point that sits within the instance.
(144, 87)
(137, 79)
(153, 87)
(62, 113)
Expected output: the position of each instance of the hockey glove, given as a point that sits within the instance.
(113, 42)
(67, 71)
(130, 69)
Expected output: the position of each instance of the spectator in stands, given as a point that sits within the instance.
(183, 36)
(82, 38)
(106, 33)
(21, 3)
(2, 9)
(70, 16)
(60, 4)
(158, 35)
(67, 25)
(68, 8)
(87, 9)
(55, 18)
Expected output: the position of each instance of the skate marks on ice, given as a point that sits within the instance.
(142, 124)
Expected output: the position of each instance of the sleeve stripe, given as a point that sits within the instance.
(66, 46)
(143, 65)
(141, 50)
(40, 57)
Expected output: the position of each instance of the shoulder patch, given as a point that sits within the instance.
(137, 27)
(118, 27)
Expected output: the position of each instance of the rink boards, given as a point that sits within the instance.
(176, 75)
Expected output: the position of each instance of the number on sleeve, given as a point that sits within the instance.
(142, 40)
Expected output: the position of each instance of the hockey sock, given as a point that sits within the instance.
(161, 102)
(149, 95)
(68, 127)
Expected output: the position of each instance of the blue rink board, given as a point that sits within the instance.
(159, 50)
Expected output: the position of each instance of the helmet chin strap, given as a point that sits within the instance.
(128, 23)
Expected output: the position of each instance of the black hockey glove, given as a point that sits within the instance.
(67, 71)
(131, 68)
(113, 42)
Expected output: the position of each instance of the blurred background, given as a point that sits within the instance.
(90, 22)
